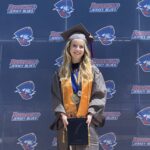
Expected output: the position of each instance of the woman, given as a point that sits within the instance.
(78, 89)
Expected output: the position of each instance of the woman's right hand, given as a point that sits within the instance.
(64, 119)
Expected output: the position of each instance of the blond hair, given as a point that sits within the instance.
(85, 69)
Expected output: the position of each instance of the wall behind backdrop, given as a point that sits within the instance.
(30, 52)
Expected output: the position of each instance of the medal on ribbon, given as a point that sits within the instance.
(79, 93)
(75, 98)
(76, 88)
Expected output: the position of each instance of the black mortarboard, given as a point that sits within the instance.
(77, 29)
(76, 32)
(77, 131)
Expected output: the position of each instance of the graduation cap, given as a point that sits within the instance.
(78, 32)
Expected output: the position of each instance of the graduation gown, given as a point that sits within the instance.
(96, 108)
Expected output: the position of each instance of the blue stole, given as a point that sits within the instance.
(76, 87)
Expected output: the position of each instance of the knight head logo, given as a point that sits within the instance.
(144, 116)
(28, 141)
(24, 36)
(64, 8)
(59, 61)
(26, 90)
(110, 85)
(106, 35)
(144, 62)
(144, 7)
(108, 141)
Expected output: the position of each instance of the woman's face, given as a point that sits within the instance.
(77, 50)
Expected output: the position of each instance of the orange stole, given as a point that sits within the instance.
(67, 92)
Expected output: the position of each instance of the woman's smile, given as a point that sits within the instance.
(77, 50)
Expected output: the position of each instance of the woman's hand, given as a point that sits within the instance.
(89, 119)
(64, 119)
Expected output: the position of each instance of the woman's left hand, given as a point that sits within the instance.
(89, 119)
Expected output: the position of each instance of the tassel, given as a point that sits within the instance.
(63, 136)
(70, 147)
(88, 136)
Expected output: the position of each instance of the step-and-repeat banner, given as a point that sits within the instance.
(30, 52)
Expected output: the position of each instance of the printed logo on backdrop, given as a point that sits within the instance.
(64, 8)
(106, 35)
(24, 36)
(54, 142)
(25, 116)
(26, 90)
(140, 35)
(110, 85)
(106, 63)
(23, 63)
(28, 141)
(144, 116)
(55, 36)
(112, 115)
(108, 141)
(140, 89)
(144, 62)
(21, 9)
(141, 141)
(144, 7)
(103, 7)
(58, 61)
